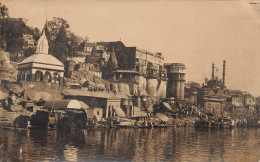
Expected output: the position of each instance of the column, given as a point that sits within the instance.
(127, 111)
(33, 77)
(182, 90)
(61, 81)
(178, 88)
(107, 109)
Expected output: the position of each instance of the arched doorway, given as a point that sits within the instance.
(38, 76)
(28, 77)
(56, 77)
(47, 77)
(23, 77)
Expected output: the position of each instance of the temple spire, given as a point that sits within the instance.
(42, 45)
(112, 62)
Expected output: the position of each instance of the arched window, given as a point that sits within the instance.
(56, 77)
(23, 77)
(28, 77)
(38, 76)
(47, 77)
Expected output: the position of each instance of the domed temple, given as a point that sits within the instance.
(41, 67)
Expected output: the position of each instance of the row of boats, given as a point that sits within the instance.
(225, 122)
(221, 122)
(66, 114)
(62, 116)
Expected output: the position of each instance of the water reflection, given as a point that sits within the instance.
(71, 153)
(177, 144)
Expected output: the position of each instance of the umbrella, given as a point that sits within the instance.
(119, 112)
(167, 106)
(162, 117)
(84, 105)
(46, 96)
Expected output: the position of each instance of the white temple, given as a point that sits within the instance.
(41, 66)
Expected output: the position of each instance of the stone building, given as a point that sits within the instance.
(176, 80)
(110, 104)
(214, 104)
(41, 67)
(191, 92)
(146, 67)
(249, 102)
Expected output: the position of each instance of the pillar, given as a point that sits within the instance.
(61, 81)
(127, 111)
(33, 77)
(107, 109)
(182, 91)
(130, 105)
(178, 89)
(138, 102)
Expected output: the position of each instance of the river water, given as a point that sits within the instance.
(157, 144)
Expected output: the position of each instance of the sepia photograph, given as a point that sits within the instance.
(130, 80)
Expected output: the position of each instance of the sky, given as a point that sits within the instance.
(193, 32)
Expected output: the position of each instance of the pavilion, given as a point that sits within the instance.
(41, 66)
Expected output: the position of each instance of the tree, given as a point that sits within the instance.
(60, 46)
(62, 42)
(3, 11)
(74, 44)
(53, 27)
(3, 16)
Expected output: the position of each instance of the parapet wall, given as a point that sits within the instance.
(51, 89)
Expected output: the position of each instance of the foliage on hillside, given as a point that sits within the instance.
(62, 42)
(86, 79)
(8, 71)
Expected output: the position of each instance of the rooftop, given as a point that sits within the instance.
(79, 92)
(42, 58)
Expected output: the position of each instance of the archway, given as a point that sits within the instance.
(38, 76)
(47, 77)
(56, 77)
(23, 76)
(28, 77)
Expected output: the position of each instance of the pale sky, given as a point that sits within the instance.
(195, 33)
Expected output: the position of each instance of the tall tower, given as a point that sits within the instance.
(224, 72)
(176, 80)
(213, 69)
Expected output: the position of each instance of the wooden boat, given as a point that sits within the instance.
(124, 122)
(226, 122)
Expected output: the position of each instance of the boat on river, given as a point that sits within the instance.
(225, 122)
(221, 122)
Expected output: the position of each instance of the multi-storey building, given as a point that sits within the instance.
(145, 65)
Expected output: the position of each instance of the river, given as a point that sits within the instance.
(157, 144)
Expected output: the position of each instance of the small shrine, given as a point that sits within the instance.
(41, 66)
